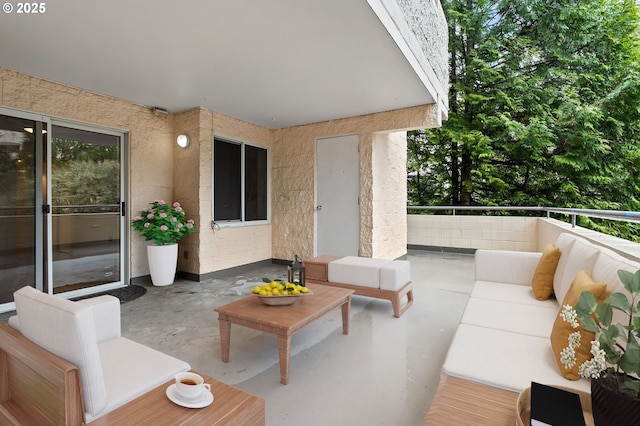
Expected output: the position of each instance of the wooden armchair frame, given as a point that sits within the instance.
(36, 386)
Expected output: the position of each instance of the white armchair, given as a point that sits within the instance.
(113, 369)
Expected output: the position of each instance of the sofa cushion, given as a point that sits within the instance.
(504, 266)
(605, 270)
(582, 255)
(144, 370)
(534, 320)
(507, 360)
(522, 294)
(67, 329)
(561, 329)
(542, 282)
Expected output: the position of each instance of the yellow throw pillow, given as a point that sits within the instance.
(542, 282)
(561, 329)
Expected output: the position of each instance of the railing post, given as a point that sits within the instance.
(573, 220)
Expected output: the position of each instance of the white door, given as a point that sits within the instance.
(337, 190)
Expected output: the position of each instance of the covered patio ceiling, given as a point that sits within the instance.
(275, 63)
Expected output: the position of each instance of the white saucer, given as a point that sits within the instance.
(171, 394)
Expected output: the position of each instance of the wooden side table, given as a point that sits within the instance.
(230, 406)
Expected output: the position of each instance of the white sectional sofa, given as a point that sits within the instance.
(503, 339)
(113, 370)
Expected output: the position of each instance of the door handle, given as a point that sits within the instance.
(319, 208)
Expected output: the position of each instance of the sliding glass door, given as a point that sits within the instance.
(61, 198)
(86, 220)
(22, 140)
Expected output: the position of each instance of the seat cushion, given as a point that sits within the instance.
(362, 271)
(504, 360)
(534, 320)
(66, 329)
(562, 329)
(394, 274)
(131, 369)
(542, 282)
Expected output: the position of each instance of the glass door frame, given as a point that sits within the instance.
(40, 181)
(44, 265)
(124, 271)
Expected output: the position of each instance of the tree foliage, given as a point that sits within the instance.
(544, 108)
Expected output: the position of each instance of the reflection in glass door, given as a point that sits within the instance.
(85, 208)
(20, 193)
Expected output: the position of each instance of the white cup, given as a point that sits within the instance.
(190, 387)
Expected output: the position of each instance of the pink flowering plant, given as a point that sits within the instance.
(163, 223)
(616, 350)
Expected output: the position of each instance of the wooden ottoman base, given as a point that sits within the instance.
(316, 270)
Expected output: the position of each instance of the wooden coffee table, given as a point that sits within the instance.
(283, 321)
(230, 406)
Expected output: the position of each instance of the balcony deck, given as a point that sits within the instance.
(385, 372)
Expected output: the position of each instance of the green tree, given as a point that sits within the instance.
(544, 110)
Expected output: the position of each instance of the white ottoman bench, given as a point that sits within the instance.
(379, 278)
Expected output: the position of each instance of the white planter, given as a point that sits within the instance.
(163, 261)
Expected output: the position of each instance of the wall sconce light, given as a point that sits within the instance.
(183, 140)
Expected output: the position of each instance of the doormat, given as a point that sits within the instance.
(125, 294)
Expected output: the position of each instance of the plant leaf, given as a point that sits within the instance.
(630, 281)
(619, 301)
(630, 361)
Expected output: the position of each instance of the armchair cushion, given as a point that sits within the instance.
(106, 316)
(66, 329)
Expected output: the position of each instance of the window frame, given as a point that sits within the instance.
(223, 223)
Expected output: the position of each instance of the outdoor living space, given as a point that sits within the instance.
(385, 371)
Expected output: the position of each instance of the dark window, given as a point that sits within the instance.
(233, 200)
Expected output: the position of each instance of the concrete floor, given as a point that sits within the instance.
(385, 372)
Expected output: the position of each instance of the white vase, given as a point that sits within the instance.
(162, 263)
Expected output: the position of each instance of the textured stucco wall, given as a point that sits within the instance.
(159, 169)
(293, 185)
(389, 198)
(210, 249)
(151, 143)
(429, 26)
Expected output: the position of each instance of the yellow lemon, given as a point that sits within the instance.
(257, 289)
(296, 291)
(263, 292)
(285, 293)
(265, 287)
(274, 284)
(275, 291)
(304, 290)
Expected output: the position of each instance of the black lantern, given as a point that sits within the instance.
(296, 271)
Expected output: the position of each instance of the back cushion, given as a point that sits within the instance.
(66, 329)
(542, 282)
(576, 256)
(606, 270)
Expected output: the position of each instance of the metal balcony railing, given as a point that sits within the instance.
(623, 216)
